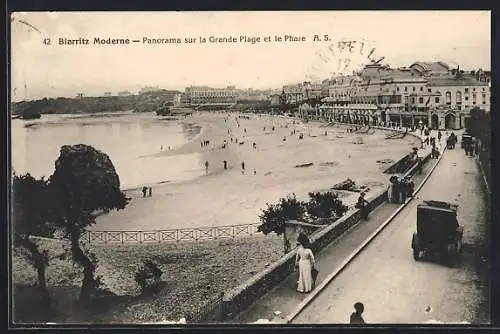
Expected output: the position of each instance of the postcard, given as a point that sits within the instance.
(252, 167)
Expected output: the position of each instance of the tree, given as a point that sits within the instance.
(30, 218)
(323, 205)
(275, 216)
(84, 183)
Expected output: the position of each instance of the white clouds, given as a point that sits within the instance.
(401, 37)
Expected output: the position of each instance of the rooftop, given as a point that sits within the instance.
(437, 66)
(464, 80)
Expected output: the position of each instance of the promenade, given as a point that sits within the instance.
(284, 299)
(396, 289)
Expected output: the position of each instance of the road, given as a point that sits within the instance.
(396, 289)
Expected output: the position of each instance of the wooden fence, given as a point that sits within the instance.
(191, 234)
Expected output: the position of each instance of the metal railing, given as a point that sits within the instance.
(191, 234)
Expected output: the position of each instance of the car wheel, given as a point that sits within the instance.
(416, 254)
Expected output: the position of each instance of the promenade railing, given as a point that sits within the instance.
(174, 235)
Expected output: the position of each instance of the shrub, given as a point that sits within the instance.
(324, 205)
(273, 217)
(148, 276)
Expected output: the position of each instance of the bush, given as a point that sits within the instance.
(324, 205)
(274, 217)
(148, 276)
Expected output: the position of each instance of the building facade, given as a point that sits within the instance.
(275, 99)
(425, 93)
(209, 95)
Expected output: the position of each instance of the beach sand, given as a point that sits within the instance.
(228, 197)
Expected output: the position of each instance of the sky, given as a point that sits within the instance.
(400, 37)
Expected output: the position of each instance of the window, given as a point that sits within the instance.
(466, 90)
(483, 89)
(406, 89)
(466, 98)
(448, 97)
(474, 98)
(459, 97)
(412, 100)
(473, 89)
(413, 88)
(421, 89)
(397, 89)
(436, 99)
(429, 90)
(420, 100)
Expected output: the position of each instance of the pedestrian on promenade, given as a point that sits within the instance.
(243, 167)
(357, 315)
(144, 190)
(304, 260)
(225, 164)
(206, 167)
(361, 204)
(410, 186)
(150, 191)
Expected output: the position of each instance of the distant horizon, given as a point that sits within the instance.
(52, 69)
(136, 90)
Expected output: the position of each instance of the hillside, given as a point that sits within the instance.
(145, 102)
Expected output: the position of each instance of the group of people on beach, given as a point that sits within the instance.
(147, 191)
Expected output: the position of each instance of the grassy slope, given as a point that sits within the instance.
(193, 273)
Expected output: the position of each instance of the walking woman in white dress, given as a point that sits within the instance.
(305, 261)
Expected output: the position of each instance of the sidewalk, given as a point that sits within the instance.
(284, 297)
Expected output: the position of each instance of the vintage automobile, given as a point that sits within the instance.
(438, 231)
(466, 139)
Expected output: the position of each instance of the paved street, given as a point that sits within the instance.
(396, 289)
(284, 297)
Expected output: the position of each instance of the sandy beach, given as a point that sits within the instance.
(229, 197)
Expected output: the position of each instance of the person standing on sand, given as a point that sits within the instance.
(150, 191)
(357, 316)
(144, 189)
(225, 164)
(304, 260)
(243, 167)
(206, 167)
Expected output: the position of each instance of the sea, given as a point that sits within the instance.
(132, 141)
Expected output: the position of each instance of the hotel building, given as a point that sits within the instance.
(424, 93)
(207, 95)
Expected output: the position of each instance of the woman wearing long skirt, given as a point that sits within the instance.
(305, 261)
